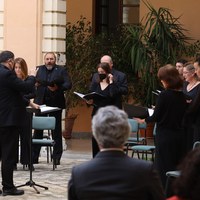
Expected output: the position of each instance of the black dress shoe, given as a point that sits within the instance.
(35, 161)
(13, 191)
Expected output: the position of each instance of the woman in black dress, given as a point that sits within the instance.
(105, 86)
(21, 71)
(190, 89)
(168, 115)
(194, 108)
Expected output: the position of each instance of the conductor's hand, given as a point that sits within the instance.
(139, 120)
(34, 105)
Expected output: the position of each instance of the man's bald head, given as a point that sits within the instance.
(107, 59)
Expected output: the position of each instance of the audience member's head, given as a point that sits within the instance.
(187, 186)
(170, 77)
(179, 65)
(110, 127)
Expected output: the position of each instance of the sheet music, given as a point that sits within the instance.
(79, 94)
(150, 111)
(44, 108)
(89, 96)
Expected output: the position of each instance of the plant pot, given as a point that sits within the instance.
(69, 123)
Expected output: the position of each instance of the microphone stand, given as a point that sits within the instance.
(31, 183)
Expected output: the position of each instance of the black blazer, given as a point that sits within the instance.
(120, 81)
(12, 108)
(60, 76)
(114, 175)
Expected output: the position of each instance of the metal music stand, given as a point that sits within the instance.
(30, 110)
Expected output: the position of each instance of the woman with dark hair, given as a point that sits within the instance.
(21, 70)
(179, 65)
(187, 185)
(168, 115)
(107, 88)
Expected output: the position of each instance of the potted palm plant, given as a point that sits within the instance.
(79, 67)
(159, 39)
(83, 53)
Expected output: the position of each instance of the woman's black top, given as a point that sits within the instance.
(169, 110)
(108, 96)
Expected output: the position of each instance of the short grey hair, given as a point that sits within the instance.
(110, 127)
(189, 67)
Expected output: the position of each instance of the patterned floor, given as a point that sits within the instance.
(78, 151)
(75, 152)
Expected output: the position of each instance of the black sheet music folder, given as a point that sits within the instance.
(136, 111)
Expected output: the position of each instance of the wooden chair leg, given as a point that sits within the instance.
(47, 154)
(132, 153)
(138, 154)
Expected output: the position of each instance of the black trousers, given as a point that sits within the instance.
(57, 137)
(9, 140)
(169, 151)
(25, 140)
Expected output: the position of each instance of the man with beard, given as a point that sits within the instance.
(51, 82)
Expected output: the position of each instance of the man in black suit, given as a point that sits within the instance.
(51, 83)
(12, 114)
(120, 80)
(112, 174)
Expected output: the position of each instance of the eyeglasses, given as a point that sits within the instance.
(11, 60)
(186, 72)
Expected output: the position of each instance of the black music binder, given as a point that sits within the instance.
(136, 111)
(89, 96)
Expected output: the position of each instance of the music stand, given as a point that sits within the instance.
(30, 110)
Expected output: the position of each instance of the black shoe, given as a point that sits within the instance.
(56, 161)
(13, 191)
(0, 192)
(35, 161)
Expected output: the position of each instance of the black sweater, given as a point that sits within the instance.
(169, 111)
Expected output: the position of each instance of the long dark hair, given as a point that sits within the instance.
(106, 68)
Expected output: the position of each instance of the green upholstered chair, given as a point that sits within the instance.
(144, 149)
(48, 124)
(135, 137)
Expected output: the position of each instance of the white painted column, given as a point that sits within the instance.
(1, 24)
(54, 28)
